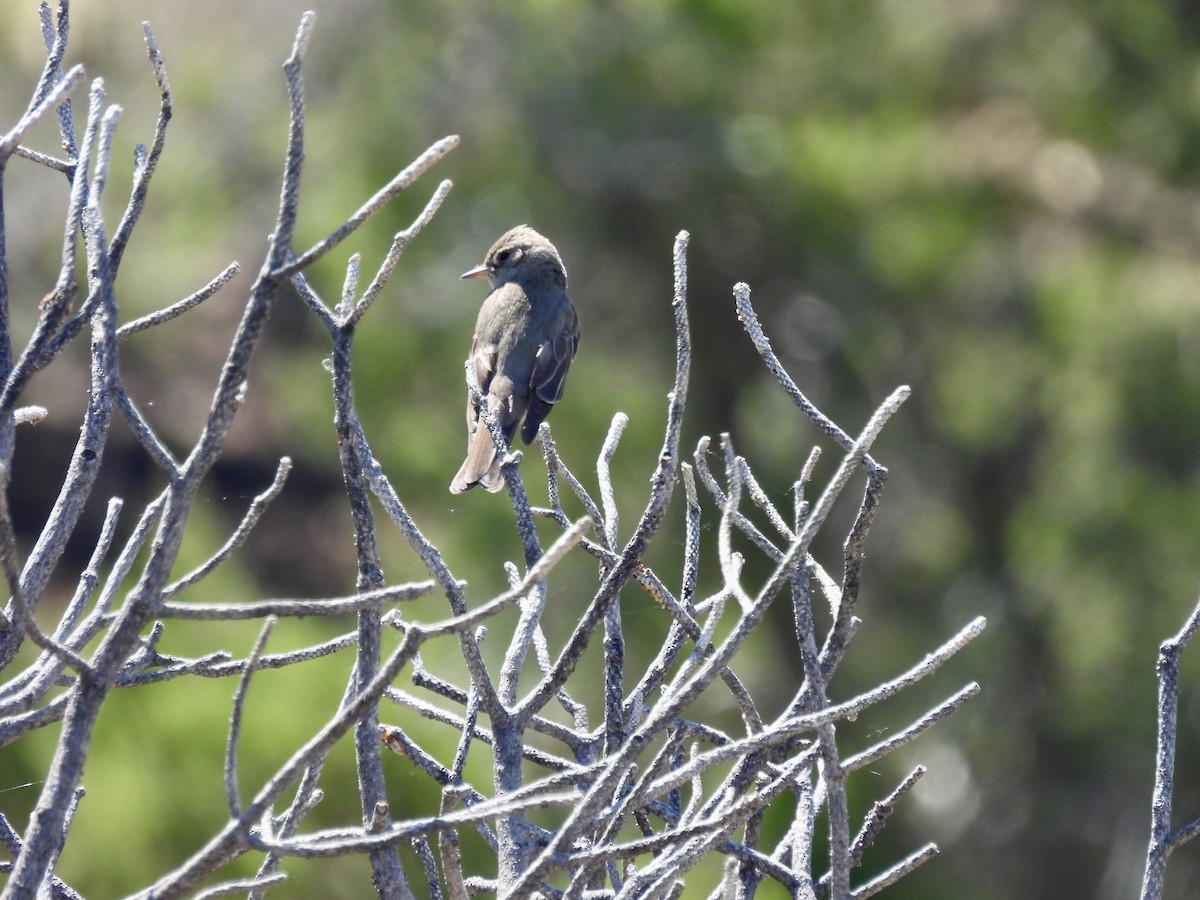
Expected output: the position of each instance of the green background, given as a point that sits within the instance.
(991, 201)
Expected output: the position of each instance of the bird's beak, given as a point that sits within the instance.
(478, 272)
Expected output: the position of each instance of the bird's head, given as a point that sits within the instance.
(521, 255)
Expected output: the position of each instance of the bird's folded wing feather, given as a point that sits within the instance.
(483, 360)
(550, 368)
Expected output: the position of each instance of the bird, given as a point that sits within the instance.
(526, 336)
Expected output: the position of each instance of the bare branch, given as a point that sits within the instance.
(1162, 840)
(392, 189)
(9, 141)
(179, 308)
(399, 242)
(257, 507)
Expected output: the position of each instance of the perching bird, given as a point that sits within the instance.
(525, 338)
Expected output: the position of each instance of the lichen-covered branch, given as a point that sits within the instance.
(1162, 839)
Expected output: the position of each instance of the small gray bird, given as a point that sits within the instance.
(525, 338)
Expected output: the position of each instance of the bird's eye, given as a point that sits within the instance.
(503, 256)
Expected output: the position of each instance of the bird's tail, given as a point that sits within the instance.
(481, 465)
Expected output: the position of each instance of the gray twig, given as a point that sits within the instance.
(1162, 839)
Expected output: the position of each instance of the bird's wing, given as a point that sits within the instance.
(483, 362)
(549, 376)
(483, 355)
(552, 362)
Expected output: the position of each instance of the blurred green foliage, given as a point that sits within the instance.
(991, 201)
